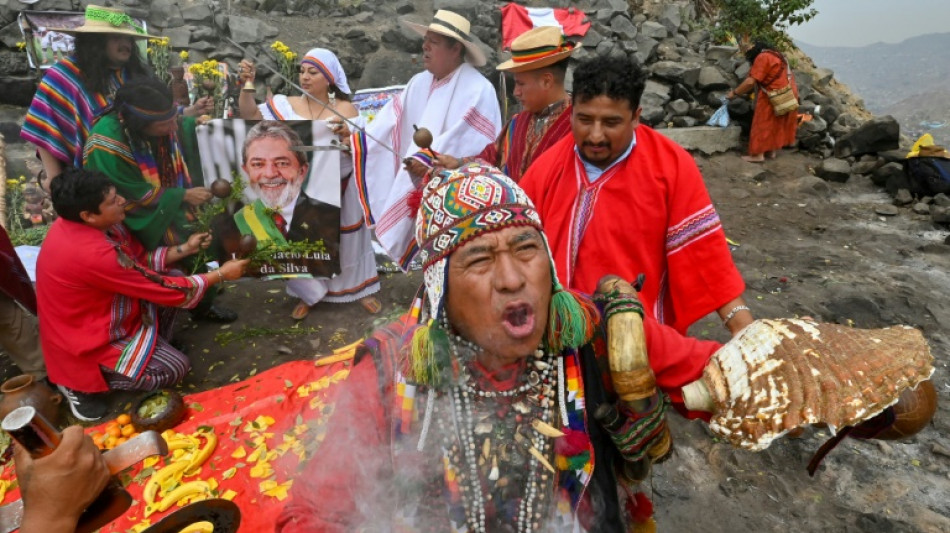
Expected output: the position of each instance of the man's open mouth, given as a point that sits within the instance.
(518, 320)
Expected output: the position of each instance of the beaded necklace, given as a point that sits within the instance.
(492, 440)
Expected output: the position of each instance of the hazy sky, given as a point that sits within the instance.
(861, 22)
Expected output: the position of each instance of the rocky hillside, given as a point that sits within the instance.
(906, 80)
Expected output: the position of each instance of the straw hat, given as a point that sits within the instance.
(108, 20)
(536, 48)
(452, 25)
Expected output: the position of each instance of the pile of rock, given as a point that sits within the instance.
(689, 74)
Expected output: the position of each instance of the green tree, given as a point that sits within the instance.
(768, 19)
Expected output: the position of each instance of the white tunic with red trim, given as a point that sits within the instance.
(461, 110)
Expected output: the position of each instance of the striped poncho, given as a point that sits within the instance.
(63, 111)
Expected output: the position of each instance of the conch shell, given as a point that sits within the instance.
(777, 375)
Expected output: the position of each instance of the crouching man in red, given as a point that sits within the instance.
(104, 306)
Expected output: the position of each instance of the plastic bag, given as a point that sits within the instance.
(720, 117)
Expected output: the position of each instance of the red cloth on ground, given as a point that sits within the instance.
(91, 307)
(512, 152)
(650, 214)
(228, 410)
(770, 132)
(517, 19)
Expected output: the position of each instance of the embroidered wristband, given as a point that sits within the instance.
(732, 314)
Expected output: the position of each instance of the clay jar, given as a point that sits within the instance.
(24, 390)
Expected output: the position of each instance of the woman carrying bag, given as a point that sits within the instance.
(775, 119)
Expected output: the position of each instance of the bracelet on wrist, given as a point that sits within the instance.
(732, 314)
(220, 275)
(179, 249)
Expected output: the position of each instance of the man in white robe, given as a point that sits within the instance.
(450, 98)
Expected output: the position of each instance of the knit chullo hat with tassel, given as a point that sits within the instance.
(457, 206)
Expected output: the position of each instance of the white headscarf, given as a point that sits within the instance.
(327, 63)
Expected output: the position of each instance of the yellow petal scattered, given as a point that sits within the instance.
(261, 470)
(229, 494)
(239, 453)
(276, 490)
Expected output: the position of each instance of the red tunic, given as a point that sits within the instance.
(93, 311)
(649, 214)
(519, 143)
(770, 132)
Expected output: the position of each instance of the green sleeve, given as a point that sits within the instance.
(150, 211)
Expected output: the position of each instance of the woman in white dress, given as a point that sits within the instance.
(322, 76)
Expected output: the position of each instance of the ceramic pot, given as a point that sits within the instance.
(25, 390)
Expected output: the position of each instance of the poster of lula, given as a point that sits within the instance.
(278, 188)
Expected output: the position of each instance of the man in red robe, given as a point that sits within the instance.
(539, 63)
(618, 197)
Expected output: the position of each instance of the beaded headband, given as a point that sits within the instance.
(149, 115)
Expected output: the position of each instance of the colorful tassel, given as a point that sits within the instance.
(571, 320)
(430, 357)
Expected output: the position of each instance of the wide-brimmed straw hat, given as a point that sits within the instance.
(536, 48)
(100, 19)
(452, 25)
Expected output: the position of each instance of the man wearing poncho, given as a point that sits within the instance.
(78, 89)
(435, 428)
(452, 100)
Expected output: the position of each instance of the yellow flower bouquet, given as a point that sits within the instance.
(287, 62)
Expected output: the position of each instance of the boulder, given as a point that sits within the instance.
(161, 13)
(939, 214)
(652, 115)
(812, 185)
(197, 14)
(706, 139)
(646, 47)
(823, 77)
(671, 71)
(711, 79)
(248, 30)
(389, 68)
(684, 122)
(17, 90)
(654, 30)
(622, 28)
(678, 107)
(837, 170)
(592, 39)
(815, 125)
(903, 197)
(876, 135)
(179, 37)
(882, 175)
(717, 54)
(467, 8)
(844, 124)
(670, 18)
(400, 38)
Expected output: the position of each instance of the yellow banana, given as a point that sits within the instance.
(185, 490)
(200, 457)
(199, 527)
(182, 443)
(155, 482)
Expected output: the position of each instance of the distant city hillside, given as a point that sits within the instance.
(910, 80)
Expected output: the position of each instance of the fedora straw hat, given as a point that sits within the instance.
(452, 25)
(100, 19)
(536, 48)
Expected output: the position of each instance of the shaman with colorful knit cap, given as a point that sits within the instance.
(539, 59)
(494, 379)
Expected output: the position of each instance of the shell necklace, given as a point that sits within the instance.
(500, 459)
